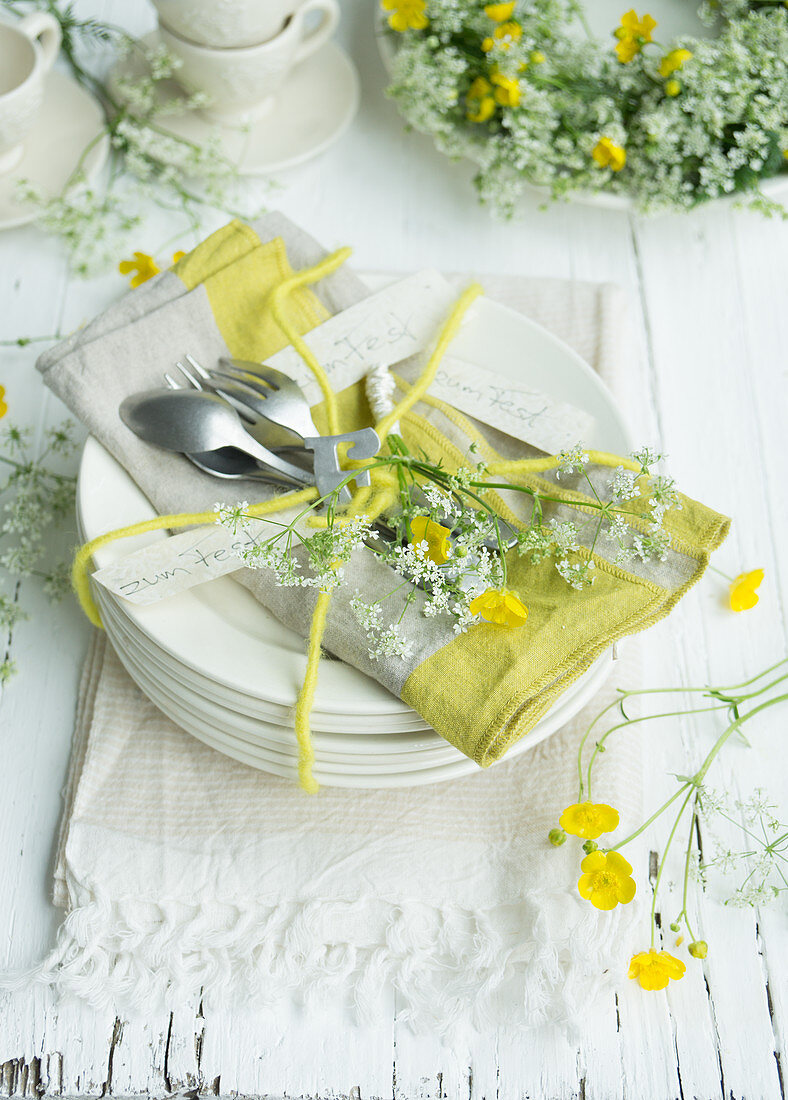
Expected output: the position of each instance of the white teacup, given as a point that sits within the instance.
(241, 82)
(222, 23)
(27, 51)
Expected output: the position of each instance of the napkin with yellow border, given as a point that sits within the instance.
(216, 301)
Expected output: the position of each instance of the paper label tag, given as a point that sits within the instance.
(383, 329)
(522, 413)
(172, 565)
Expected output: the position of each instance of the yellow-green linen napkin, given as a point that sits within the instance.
(482, 690)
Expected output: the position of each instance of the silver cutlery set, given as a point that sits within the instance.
(246, 420)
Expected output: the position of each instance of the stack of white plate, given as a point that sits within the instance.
(225, 670)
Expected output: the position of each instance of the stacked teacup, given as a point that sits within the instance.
(27, 50)
(238, 53)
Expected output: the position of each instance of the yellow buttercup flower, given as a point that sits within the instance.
(606, 880)
(480, 100)
(632, 35)
(424, 529)
(500, 606)
(144, 265)
(3, 403)
(673, 61)
(654, 969)
(504, 36)
(507, 90)
(589, 819)
(609, 155)
(672, 88)
(742, 591)
(406, 14)
(499, 13)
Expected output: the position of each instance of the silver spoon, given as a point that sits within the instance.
(234, 465)
(195, 421)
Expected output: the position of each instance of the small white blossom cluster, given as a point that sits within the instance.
(443, 541)
(34, 499)
(557, 539)
(382, 640)
(763, 859)
(572, 461)
(325, 551)
(718, 127)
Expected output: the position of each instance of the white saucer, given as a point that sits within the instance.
(70, 118)
(313, 109)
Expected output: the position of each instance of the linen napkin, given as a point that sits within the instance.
(186, 875)
(216, 303)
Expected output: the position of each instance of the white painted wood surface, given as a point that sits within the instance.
(708, 300)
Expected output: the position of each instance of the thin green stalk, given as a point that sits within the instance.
(663, 862)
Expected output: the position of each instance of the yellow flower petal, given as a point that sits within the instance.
(144, 265)
(606, 880)
(653, 969)
(3, 403)
(742, 590)
(406, 14)
(499, 13)
(437, 537)
(504, 36)
(507, 90)
(500, 606)
(176, 256)
(483, 110)
(608, 155)
(589, 819)
(673, 61)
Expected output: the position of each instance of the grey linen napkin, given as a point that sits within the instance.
(135, 341)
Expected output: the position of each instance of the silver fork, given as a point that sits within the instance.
(267, 392)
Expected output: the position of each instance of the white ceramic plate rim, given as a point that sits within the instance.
(393, 743)
(357, 778)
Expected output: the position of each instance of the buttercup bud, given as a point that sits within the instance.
(699, 949)
(556, 837)
(590, 846)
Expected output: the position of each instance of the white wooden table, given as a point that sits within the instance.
(709, 298)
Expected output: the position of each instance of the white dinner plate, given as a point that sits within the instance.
(395, 745)
(225, 669)
(403, 752)
(350, 774)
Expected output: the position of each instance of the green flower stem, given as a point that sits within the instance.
(695, 781)
(706, 690)
(599, 747)
(23, 341)
(687, 861)
(24, 466)
(663, 862)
